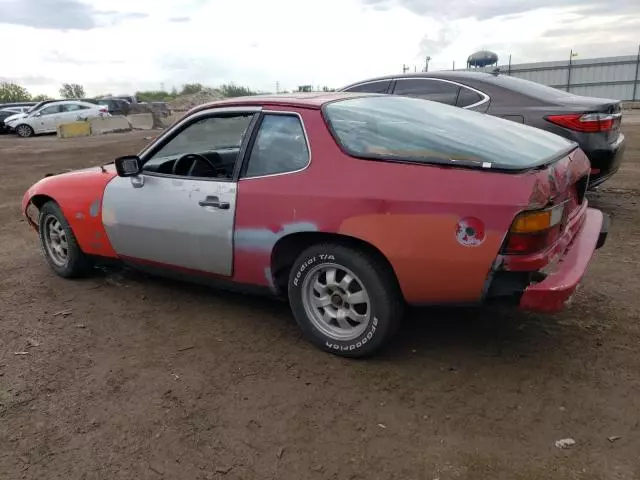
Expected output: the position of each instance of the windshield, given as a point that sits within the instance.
(36, 106)
(415, 130)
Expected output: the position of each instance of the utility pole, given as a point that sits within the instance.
(635, 79)
(426, 63)
(571, 55)
(509, 73)
(405, 68)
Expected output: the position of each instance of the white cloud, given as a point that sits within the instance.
(120, 46)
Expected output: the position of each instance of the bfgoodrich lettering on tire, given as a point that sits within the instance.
(345, 301)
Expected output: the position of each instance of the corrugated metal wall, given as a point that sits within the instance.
(610, 77)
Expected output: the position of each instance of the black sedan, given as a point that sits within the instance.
(593, 123)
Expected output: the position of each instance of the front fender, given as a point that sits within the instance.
(79, 195)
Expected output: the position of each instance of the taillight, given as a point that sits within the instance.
(533, 231)
(104, 109)
(587, 123)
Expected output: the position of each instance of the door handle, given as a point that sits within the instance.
(214, 202)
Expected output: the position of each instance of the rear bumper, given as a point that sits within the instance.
(605, 162)
(555, 291)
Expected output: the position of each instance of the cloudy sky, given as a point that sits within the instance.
(119, 46)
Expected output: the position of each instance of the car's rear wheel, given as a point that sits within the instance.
(345, 301)
(24, 131)
(59, 243)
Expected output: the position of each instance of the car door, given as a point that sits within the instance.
(45, 120)
(181, 213)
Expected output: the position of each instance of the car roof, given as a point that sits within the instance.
(312, 100)
(445, 75)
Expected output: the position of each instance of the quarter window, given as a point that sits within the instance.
(434, 90)
(73, 107)
(468, 97)
(280, 146)
(371, 87)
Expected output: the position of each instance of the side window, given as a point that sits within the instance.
(280, 147)
(468, 97)
(215, 141)
(72, 107)
(434, 90)
(51, 110)
(381, 86)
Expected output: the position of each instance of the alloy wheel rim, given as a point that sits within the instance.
(336, 302)
(55, 241)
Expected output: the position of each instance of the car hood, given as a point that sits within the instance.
(107, 169)
(14, 117)
(72, 188)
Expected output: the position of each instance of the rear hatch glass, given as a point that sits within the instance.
(421, 131)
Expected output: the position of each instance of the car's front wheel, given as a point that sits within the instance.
(24, 131)
(59, 243)
(346, 301)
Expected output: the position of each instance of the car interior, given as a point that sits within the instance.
(217, 163)
(207, 148)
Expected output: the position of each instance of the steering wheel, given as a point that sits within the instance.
(194, 158)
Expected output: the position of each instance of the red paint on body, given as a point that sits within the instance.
(408, 212)
(552, 293)
(76, 193)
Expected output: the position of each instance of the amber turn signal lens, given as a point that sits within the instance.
(529, 222)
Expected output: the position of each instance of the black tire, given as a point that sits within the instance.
(385, 299)
(77, 264)
(24, 131)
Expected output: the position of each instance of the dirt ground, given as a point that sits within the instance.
(142, 378)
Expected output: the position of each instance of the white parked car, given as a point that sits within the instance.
(16, 109)
(49, 116)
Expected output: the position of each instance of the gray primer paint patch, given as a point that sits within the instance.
(263, 239)
(94, 208)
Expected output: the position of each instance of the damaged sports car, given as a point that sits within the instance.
(351, 206)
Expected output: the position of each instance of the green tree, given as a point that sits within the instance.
(41, 97)
(72, 90)
(190, 88)
(10, 92)
(232, 90)
(156, 95)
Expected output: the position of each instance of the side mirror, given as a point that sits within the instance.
(128, 166)
(37, 114)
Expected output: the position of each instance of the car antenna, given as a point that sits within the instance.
(104, 170)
